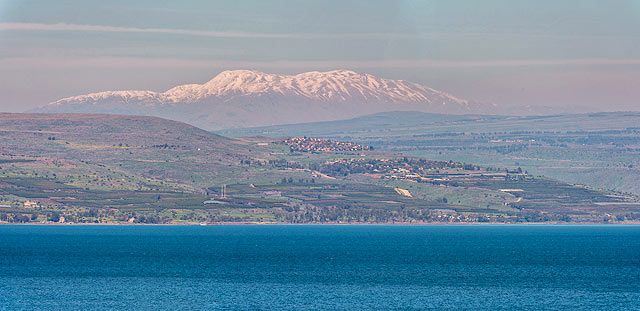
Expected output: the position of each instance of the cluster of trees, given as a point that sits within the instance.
(308, 213)
(305, 213)
(300, 180)
(20, 217)
(16, 217)
(282, 163)
(164, 146)
(150, 219)
(273, 163)
(93, 215)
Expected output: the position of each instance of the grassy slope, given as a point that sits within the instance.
(163, 170)
(599, 149)
(127, 145)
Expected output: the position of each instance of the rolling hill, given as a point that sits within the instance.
(596, 149)
(116, 169)
(147, 146)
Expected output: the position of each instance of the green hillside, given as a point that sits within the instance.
(113, 168)
(598, 149)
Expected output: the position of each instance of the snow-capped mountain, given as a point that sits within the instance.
(244, 98)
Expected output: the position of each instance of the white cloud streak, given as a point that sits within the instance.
(232, 34)
(204, 33)
(111, 62)
(98, 28)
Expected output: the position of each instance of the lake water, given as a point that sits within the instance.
(319, 267)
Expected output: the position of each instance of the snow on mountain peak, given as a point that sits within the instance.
(244, 97)
(335, 85)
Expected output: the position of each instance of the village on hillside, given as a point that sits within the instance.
(310, 144)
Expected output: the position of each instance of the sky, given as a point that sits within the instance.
(571, 55)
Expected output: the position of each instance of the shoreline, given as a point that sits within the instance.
(329, 224)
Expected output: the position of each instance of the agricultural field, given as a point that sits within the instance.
(600, 150)
(123, 169)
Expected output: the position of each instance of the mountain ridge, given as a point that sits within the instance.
(242, 98)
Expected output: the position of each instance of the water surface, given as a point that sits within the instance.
(319, 267)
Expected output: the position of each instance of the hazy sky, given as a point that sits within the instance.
(583, 54)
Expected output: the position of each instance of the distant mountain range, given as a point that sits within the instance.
(396, 124)
(244, 98)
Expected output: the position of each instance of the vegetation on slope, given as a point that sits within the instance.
(108, 168)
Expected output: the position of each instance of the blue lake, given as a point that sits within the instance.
(319, 267)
